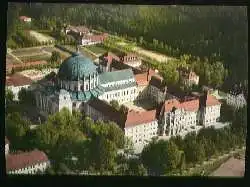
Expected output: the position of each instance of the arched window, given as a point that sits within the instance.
(87, 87)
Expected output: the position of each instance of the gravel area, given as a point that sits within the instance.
(231, 168)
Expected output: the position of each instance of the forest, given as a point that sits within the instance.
(211, 33)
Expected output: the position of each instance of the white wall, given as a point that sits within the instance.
(16, 89)
(141, 134)
(31, 169)
(122, 95)
(6, 149)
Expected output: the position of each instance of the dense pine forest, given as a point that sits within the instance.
(211, 33)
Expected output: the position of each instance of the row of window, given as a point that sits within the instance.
(118, 94)
(140, 140)
(67, 87)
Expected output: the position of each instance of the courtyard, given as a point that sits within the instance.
(142, 105)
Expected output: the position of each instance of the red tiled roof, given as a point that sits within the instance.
(189, 105)
(96, 38)
(141, 79)
(169, 104)
(22, 160)
(17, 80)
(139, 117)
(192, 105)
(144, 78)
(211, 101)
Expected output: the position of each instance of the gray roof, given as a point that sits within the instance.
(119, 87)
(114, 76)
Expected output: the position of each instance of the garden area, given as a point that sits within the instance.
(31, 54)
(33, 58)
(97, 49)
(42, 38)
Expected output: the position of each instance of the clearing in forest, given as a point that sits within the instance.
(151, 54)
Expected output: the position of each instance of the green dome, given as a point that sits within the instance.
(76, 66)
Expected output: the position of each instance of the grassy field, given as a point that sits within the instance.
(97, 49)
(35, 58)
(64, 54)
(41, 37)
(27, 52)
(82, 50)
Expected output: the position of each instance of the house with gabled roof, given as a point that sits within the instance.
(178, 116)
(27, 162)
(139, 126)
(16, 82)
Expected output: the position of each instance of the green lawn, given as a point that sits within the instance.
(88, 55)
(96, 49)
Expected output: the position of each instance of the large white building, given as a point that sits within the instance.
(178, 117)
(139, 126)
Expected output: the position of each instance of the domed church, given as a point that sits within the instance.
(78, 81)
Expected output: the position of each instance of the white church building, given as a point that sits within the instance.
(78, 81)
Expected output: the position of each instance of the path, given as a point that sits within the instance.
(91, 52)
(9, 53)
(232, 167)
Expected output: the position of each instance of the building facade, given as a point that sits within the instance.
(179, 117)
(141, 126)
